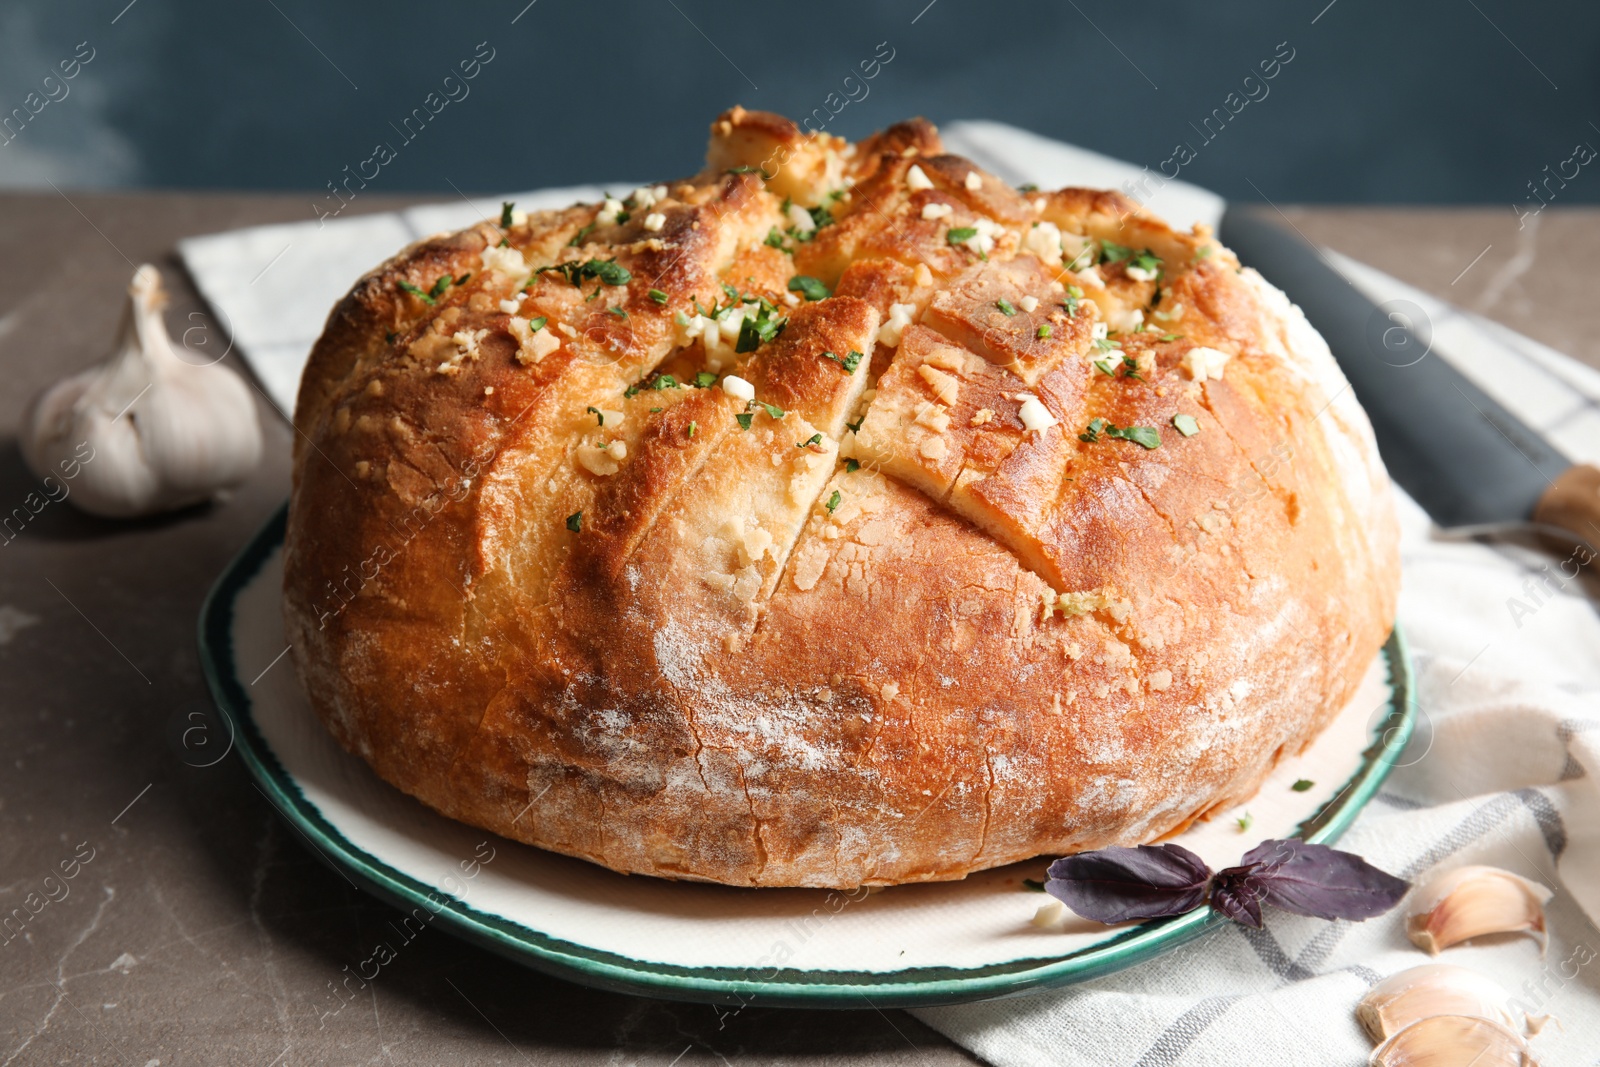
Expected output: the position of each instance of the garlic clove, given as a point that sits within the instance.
(1457, 905)
(149, 430)
(1429, 990)
(1453, 1041)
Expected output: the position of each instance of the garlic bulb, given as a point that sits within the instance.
(148, 430)
(1456, 905)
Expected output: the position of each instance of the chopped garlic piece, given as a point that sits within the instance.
(801, 219)
(899, 319)
(945, 386)
(738, 388)
(504, 260)
(974, 181)
(1205, 363)
(654, 221)
(916, 180)
(933, 417)
(1043, 240)
(598, 459)
(609, 211)
(982, 242)
(1035, 416)
(1028, 303)
(644, 196)
(935, 211)
(1140, 274)
(511, 305)
(949, 359)
(1078, 251)
(467, 341)
(1099, 331)
(532, 345)
(922, 275)
(1128, 321)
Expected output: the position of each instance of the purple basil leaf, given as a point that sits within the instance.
(1116, 884)
(1312, 880)
(1233, 899)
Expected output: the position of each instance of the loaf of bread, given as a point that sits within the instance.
(838, 516)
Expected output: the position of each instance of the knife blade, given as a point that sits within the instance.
(1455, 449)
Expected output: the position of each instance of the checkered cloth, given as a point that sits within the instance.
(1503, 769)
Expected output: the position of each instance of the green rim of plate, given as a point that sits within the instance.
(912, 987)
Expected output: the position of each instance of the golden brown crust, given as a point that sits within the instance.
(884, 624)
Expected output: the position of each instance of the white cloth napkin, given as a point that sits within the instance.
(1502, 770)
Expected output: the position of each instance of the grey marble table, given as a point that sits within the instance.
(198, 929)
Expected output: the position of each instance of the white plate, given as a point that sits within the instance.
(918, 944)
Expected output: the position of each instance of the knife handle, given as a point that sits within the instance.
(1573, 502)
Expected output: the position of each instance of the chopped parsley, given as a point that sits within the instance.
(774, 238)
(1189, 426)
(744, 419)
(535, 325)
(1106, 344)
(849, 362)
(855, 427)
(704, 380)
(575, 521)
(692, 427)
(618, 312)
(1139, 435)
(660, 382)
(956, 234)
(833, 501)
(772, 409)
(607, 270)
(749, 170)
(1112, 252)
(1204, 252)
(1244, 822)
(1172, 336)
(599, 415)
(1028, 188)
(809, 287)
(759, 328)
(577, 238)
(505, 214)
(1033, 885)
(463, 279)
(1128, 365)
(1044, 331)
(1005, 307)
(1147, 261)
(416, 292)
(658, 296)
(852, 465)
(1074, 294)
(390, 336)
(1302, 785)
(814, 439)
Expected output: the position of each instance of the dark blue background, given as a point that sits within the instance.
(1386, 100)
